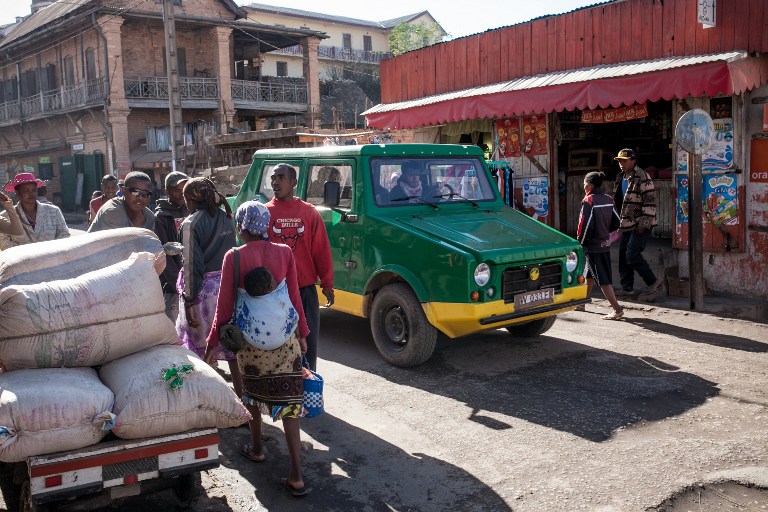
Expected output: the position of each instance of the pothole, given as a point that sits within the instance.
(716, 497)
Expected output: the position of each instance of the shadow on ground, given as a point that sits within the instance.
(575, 388)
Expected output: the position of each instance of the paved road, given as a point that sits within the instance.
(594, 415)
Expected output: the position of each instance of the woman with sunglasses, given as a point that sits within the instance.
(130, 210)
(206, 234)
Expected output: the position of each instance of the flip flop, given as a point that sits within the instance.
(247, 452)
(614, 315)
(297, 492)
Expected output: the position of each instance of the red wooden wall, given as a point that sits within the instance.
(619, 31)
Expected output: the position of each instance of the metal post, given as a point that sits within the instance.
(172, 68)
(695, 233)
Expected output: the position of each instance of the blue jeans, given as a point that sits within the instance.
(311, 306)
(631, 259)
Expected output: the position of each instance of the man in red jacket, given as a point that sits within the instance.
(297, 224)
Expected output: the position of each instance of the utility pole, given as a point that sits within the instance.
(172, 69)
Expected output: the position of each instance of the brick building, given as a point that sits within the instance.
(84, 86)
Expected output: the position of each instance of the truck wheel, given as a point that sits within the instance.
(400, 329)
(532, 328)
(26, 503)
(187, 489)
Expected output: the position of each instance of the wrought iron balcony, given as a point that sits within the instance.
(156, 88)
(339, 53)
(63, 99)
(244, 90)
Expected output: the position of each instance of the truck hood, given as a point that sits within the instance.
(492, 235)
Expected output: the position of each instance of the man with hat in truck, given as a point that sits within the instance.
(635, 199)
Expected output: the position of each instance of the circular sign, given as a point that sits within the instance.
(694, 131)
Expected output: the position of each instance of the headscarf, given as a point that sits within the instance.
(204, 193)
(252, 217)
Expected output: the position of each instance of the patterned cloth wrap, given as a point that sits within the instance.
(195, 339)
(272, 379)
(267, 321)
(253, 218)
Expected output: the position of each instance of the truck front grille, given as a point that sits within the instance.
(517, 280)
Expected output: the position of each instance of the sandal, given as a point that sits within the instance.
(615, 315)
(297, 492)
(247, 452)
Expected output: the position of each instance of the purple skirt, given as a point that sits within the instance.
(195, 339)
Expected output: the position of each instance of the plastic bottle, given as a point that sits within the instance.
(470, 187)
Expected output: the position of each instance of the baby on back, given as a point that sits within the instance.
(264, 311)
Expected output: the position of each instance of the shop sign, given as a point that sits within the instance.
(78, 147)
(615, 115)
(758, 162)
(45, 159)
(706, 13)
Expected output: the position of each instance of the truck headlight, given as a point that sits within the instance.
(572, 261)
(482, 274)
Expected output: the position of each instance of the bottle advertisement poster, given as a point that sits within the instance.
(535, 135)
(535, 196)
(508, 133)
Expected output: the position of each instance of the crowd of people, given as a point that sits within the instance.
(198, 284)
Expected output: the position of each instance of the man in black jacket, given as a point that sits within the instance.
(168, 218)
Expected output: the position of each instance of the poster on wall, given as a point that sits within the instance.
(535, 135)
(720, 199)
(508, 137)
(536, 197)
(682, 199)
(720, 154)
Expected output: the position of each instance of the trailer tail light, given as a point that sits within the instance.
(131, 479)
(201, 453)
(53, 481)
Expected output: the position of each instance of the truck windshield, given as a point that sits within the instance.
(400, 181)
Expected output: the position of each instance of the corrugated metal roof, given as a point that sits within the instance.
(44, 16)
(563, 77)
(329, 17)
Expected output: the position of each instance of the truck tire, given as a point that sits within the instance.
(533, 328)
(26, 504)
(400, 329)
(187, 489)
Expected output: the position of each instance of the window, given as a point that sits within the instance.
(282, 68)
(158, 138)
(69, 71)
(11, 91)
(265, 187)
(367, 43)
(48, 78)
(346, 41)
(321, 173)
(90, 64)
(181, 57)
(29, 83)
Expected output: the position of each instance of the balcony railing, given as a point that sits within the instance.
(92, 92)
(243, 90)
(339, 53)
(156, 88)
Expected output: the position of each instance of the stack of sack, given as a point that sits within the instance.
(87, 348)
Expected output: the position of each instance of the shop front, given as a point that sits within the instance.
(548, 131)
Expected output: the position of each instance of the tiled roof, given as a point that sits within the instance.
(44, 16)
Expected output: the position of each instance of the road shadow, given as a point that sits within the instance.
(575, 388)
(347, 468)
(697, 336)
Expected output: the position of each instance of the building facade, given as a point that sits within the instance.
(89, 78)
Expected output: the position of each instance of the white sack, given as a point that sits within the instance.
(51, 410)
(71, 257)
(90, 320)
(146, 405)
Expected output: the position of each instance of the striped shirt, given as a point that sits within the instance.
(49, 225)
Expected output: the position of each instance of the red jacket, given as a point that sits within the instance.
(298, 225)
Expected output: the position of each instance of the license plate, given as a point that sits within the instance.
(535, 298)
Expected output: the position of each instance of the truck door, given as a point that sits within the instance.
(341, 224)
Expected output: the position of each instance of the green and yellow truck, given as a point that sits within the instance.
(446, 256)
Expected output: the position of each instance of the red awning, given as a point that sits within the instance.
(588, 88)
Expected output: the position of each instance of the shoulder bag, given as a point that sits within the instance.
(230, 335)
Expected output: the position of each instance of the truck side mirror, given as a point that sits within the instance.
(331, 193)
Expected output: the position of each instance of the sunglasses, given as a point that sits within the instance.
(138, 192)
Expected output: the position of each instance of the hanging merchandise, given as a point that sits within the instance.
(534, 135)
